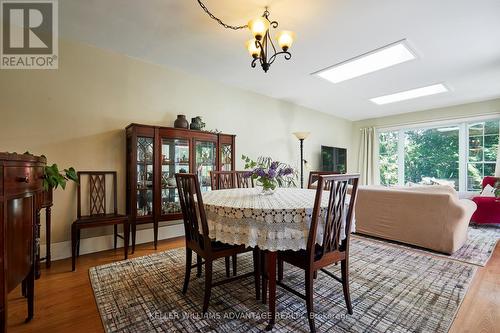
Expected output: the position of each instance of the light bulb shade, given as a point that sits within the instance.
(301, 135)
(258, 27)
(285, 39)
(252, 48)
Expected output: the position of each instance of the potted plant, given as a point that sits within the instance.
(53, 178)
(270, 174)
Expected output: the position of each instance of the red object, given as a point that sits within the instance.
(488, 208)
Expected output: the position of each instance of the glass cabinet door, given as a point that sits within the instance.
(205, 162)
(144, 176)
(226, 157)
(174, 159)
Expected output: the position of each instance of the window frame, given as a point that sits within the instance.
(463, 144)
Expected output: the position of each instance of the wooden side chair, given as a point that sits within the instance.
(314, 177)
(242, 181)
(333, 249)
(98, 213)
(221, 180)
(197, 238)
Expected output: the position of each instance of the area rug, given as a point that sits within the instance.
(477, 250)
(392, 289)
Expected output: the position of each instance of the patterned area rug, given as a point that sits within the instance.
(477, 250)
(393, 289)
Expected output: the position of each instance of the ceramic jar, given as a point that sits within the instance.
(181, 122)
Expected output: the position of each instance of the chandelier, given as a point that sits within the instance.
(261, 46)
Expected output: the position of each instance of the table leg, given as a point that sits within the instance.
(271, 275)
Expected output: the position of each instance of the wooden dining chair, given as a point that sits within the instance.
(221, 180)
(314, 176)
(332, 249)
(98, 213)
(242, 181)
(197, 238)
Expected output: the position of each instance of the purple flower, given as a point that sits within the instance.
(287, 171)
(260, 172)
(274, 165)
(248, 174)
(271, 173)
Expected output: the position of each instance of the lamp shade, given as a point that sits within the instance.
(285, 39)
(252, 48)
(301, 135)
(258, 27)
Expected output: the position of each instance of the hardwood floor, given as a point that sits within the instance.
(64, 301)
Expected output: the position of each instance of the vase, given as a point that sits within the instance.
(269, 186)
(181, 122)
(267, 191)
(195, 125)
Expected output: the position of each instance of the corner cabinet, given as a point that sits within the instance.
(154, 155)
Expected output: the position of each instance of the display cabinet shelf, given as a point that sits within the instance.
(154, 155)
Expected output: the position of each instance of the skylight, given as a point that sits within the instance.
(384, 57)
(410, 94)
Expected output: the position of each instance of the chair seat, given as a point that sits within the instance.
(299, 258)
(91, 219)
(219, 246)
(488, 210)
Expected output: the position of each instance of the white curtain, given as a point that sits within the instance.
(367, 156)
(497, 167)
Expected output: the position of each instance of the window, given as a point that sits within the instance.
(482, 152)
(460, 154)
(432, 153)
(388, 162)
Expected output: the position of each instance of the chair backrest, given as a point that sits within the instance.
(242, 181)
(490, 180)
(314, 177)
(221, 180)
(193, 211)
(332, 219)
(96, 192)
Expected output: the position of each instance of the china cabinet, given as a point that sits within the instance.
(154, 155)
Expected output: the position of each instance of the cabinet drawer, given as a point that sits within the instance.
(19, 180)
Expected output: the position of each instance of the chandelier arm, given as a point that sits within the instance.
(287, 55)
(213, 17)
(260, 46)
(272, 44)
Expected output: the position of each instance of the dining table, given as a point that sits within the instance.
(272, 222)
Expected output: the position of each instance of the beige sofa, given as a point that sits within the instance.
(431, 217)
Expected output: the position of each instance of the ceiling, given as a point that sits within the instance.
(457, 42)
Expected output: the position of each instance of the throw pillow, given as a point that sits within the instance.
(488, 191)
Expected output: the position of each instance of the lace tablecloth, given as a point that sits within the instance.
(273, 222)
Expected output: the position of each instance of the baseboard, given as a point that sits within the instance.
(62, 250)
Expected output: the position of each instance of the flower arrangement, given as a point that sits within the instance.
(269, 174)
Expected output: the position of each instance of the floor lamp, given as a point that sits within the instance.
(301, 136)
